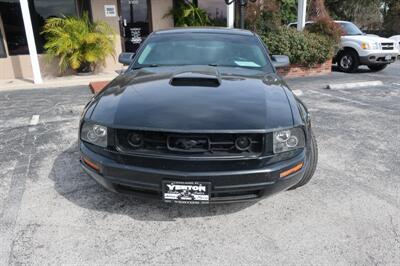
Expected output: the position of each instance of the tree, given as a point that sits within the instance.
(391, 14)
(379, 15)
(269, 15)
(317, 10)
(288, 10)
(350, 9)
(365, 13)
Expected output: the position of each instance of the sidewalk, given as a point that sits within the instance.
(66, 81)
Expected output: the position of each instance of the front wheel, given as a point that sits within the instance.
(348, 61)
(311, 163)
(376, 68)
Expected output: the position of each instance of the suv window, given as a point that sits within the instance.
(350, 28)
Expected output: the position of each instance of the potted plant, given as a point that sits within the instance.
(77, 43)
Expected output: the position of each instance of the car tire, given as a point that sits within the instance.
(311, 165)
(348, 61)
(376, 68)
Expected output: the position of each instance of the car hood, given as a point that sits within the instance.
(367, 38)
(395, 38)
(193, 98)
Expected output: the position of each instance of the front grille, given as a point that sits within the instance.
(236, 195)
(189, 145)
(215, 196)
(387, 46)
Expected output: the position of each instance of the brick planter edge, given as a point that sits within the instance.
(293, 71)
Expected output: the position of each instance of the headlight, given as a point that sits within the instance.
(95, 134)
(370, 46)
(288, 139)
(365, 46)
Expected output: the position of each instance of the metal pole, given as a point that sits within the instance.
(301, 14)
(241, 7)
(230, 18)
(37, 77)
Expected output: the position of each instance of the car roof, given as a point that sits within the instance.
(212, 30)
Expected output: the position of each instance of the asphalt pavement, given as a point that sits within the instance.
(51, 213)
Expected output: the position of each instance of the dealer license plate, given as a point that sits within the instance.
(388, 57)
(186, 192)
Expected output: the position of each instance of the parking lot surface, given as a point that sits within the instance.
(53, 213)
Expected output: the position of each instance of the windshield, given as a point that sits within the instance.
(203, 49)
(350, 29)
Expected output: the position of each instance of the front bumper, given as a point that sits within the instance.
(378, 58)
(226, 186)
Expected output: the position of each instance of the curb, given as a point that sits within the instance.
(353, 85)
(62, 82)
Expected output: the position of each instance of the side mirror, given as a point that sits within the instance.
(280, 60)
(126, 58)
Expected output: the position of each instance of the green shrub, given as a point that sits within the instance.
(303, 48)
(78, 43)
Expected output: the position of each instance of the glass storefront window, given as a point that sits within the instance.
(43, 9)
(40, 10)
(134, 23)
(13, 25)
(2, 47)
(216, 10)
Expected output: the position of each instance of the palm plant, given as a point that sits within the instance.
(187, 14)
(78, 43)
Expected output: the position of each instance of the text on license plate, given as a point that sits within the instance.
(186, 191)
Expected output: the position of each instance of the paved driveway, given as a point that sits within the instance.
(52, 213)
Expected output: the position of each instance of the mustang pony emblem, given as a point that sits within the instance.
(188, 143)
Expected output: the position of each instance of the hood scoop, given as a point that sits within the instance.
(196, 79)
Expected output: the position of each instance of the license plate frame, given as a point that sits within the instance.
(388, 58)
(186, 192)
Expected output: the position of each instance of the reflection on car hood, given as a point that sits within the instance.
(367, 38)
(194, 98)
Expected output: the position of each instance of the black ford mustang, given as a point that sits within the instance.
(200, 116)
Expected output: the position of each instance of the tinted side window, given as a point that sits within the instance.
(40, 11)
(2, 47)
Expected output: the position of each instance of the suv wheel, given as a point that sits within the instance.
(348, 61)
(311, 164)
(376, 68)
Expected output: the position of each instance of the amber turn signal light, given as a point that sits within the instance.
(291, 170)
(91, 164)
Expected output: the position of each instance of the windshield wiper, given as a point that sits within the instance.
(143, 66)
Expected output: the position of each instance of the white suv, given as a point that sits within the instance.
(396, 38)
(357, 48)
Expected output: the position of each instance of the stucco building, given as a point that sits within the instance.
(21, 21)
(132, 20)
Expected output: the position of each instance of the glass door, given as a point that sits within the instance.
(134, 23)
